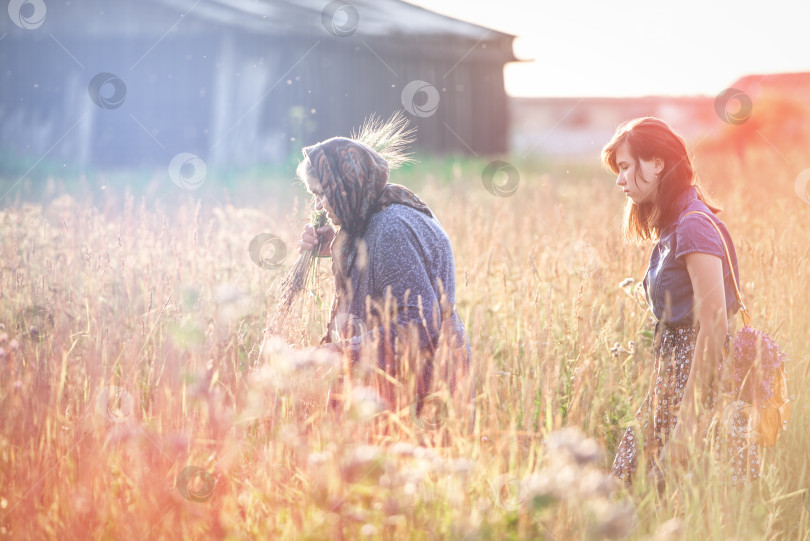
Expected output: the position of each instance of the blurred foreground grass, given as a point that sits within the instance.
(135, 404)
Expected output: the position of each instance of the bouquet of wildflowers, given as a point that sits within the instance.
(756, 358)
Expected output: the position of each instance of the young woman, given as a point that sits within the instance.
(393, 264)
(689, 291)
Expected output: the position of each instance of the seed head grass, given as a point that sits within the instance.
(141, 400)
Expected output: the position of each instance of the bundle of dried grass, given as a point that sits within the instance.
(301, 277)
(302, 273)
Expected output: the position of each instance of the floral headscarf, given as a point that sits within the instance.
(354, 180)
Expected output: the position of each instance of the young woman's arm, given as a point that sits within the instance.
(706, 274)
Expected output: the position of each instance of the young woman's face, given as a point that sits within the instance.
(638, 179)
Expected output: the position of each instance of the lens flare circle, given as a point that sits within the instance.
(500, 189)
(31, 22)
(741, 419)
(508, 491)
(802, 186)
(734, 117)
(115, 404)
(186, 477)
(178, 171)
(259, 245)
(347, 330)
(36, 322)
(432, 98)
(340, 18)
(579, 257)
(106, 80)
(432, 415)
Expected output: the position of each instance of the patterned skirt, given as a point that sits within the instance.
(658, 414)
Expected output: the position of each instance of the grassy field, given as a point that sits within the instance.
(135, 403)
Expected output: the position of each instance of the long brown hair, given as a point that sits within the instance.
(647, 138)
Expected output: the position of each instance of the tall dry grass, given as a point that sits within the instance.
(135, 404)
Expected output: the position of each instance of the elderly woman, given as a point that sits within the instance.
(393, 266)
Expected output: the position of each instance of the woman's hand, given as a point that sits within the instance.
(310, 238)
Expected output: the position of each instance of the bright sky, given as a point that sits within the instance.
(640, 47)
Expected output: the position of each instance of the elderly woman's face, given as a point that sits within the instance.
(321, 203)
(307, 174)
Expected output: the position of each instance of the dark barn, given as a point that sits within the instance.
(115, 83)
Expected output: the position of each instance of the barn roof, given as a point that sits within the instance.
(398, 24)
(376, 17)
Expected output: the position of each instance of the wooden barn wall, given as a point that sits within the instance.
(236, 98)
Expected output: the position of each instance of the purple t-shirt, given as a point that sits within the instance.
(667, 282)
